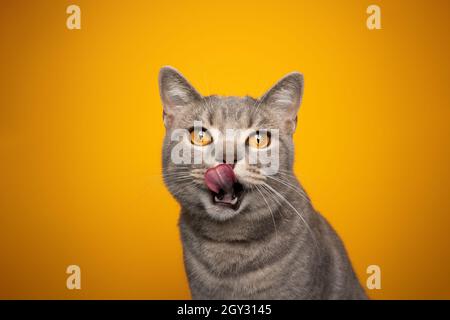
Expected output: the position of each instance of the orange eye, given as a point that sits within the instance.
(200, 137)
(259, 140)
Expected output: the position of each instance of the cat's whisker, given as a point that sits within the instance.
(178, 189)
(181, 179)
(271, 213)
(157, 175)
(177, 176)
(254, 178)
(292, 187)
(286, 172)
(175, 173)
(289, 173)
(199, 182)
(291, 179)
(296, 211)
(271, 197)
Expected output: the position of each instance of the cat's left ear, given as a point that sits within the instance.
(284, 99)
(176, 93)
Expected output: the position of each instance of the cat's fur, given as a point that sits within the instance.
(275, 246)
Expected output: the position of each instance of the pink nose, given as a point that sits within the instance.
(220, 177)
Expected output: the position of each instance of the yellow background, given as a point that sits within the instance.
(81, 134)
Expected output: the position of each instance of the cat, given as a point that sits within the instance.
(247, 234)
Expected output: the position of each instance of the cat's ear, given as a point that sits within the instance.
(176, 93)
(284, 99)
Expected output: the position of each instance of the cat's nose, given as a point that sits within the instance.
(234, 160)
(231, 159)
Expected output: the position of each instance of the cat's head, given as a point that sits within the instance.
(223, 156)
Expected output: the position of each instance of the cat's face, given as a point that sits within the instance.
(219, 151)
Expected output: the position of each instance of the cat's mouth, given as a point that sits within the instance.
(229, 198)
(224, 186)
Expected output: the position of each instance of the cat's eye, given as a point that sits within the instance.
(259, 139)
(200, 137)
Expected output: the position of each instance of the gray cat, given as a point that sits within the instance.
(247, 234)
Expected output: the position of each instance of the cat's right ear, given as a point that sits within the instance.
(284, 99)
(176, 93)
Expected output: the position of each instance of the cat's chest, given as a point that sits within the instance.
(233, 272)
(227, 258)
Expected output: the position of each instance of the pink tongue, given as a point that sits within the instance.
(219, 178)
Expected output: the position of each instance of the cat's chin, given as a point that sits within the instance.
(221, 213)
